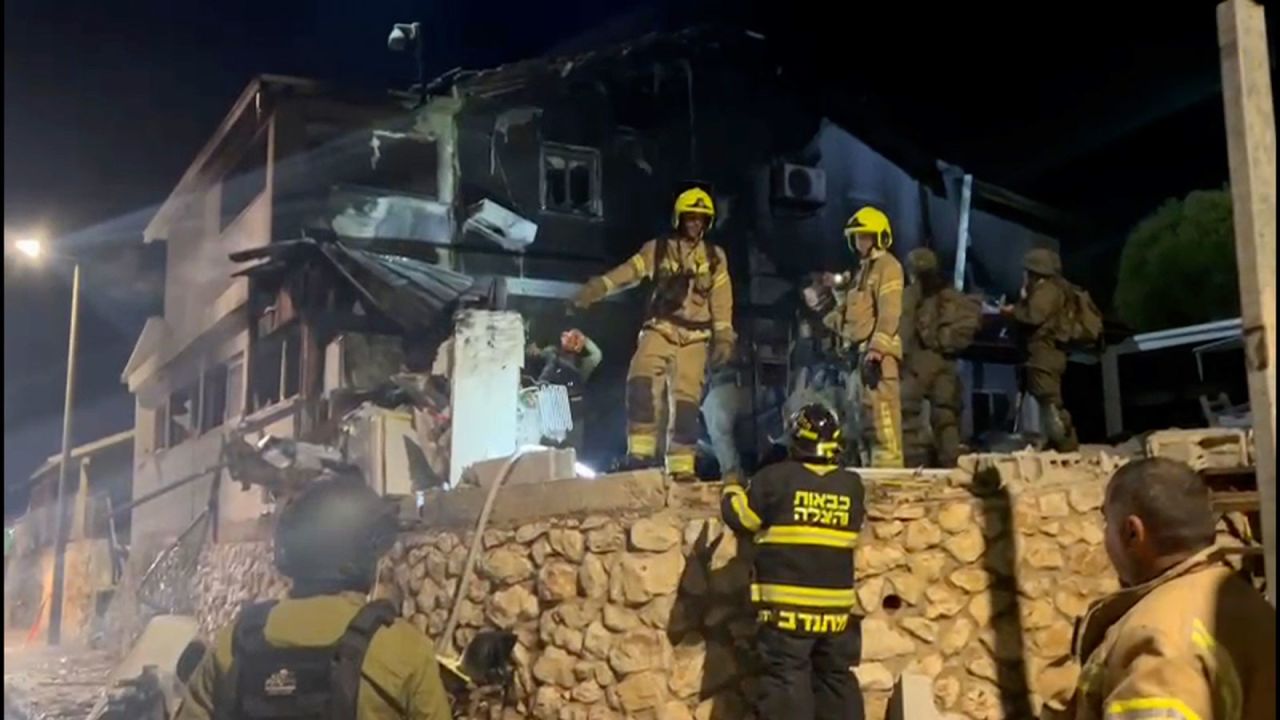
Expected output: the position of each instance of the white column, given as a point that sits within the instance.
(1251, 156)
(488, 352)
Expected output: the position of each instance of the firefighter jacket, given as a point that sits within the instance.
(692, 296)
(400, 679)
(1196, 643)
(872, 309)
(805, 521)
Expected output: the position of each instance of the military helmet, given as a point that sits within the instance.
(870, 221)
(815, 433)
(694, 201)
(921, 261)
(1042, 261)
(334, 533)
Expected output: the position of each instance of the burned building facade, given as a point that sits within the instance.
(322, 243)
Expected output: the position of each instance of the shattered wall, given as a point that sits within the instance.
(629, 595)
(28, 586)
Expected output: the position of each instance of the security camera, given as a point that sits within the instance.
(402, 35)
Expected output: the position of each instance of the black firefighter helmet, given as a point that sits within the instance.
(331, 536)
(815, 434)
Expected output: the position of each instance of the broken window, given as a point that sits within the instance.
(182, 415)
(245, 181)
(571, 180)
(160, 427)
(235, 386)
(275, 367)
(214, 404)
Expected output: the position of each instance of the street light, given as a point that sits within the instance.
(30, 247)
(33, 249)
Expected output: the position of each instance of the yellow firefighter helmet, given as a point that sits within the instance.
(870, 221)
(694, 201)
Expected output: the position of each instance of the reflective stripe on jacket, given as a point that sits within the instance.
(805, 521)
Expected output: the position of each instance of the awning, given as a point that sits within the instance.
(412, 292)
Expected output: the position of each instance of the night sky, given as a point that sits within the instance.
(105, 106)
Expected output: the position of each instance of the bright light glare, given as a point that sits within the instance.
(583, 471)
(30, 247)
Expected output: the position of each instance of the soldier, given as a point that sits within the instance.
(1040, 308)
(325, 651)
(805, 514)
(689, 321)
(1185, 638)
(938, 321)
(869, 321)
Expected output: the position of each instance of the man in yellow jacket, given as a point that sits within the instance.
(1186, 638)
(689, 322)
(869, 320)
(325, 651)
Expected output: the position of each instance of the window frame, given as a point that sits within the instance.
(571, 154)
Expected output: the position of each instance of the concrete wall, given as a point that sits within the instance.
(629, 595)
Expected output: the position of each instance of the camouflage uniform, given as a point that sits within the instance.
(1043, 304)
(928, 372)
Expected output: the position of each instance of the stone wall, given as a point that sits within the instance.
(629, 596)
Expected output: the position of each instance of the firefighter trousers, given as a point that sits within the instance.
(665, 380)
(882, 412)
(810, 676)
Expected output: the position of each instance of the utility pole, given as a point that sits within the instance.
(60, 522)
(1251, 154)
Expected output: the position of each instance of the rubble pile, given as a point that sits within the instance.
(46, 684)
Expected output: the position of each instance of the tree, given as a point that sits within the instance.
(1178, 266)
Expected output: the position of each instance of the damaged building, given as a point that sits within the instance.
(323, 243)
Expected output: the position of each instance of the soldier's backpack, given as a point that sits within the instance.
(1080, 322)
(959, 320)
(311, 683)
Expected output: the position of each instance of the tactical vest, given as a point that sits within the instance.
(298, 683)
(671, 288)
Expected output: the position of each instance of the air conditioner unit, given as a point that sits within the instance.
(799, 184)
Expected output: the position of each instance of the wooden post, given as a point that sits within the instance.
(1251, 154)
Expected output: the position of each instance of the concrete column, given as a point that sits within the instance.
(488, 352)
(1251, 157)
(79, 519)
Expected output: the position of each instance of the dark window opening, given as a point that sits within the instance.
(160, 430)
(275, 368)
(571, 180)
(245, 181)
(214, 407)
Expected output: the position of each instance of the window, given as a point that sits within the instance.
(571, 180)
(182, 415)
(275, 367)
(235, 387)
(214, 398)
(246, 179)
(160, 427)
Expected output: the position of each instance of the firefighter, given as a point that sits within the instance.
(1186, 637)
(325, 651)
(688, 323)
(1040, 307)
(805, 514)
(869, 321)
(937, 322)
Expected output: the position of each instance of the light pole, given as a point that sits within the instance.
(34, 249)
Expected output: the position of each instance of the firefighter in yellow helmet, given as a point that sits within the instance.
(688, 323)
(869, 321)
